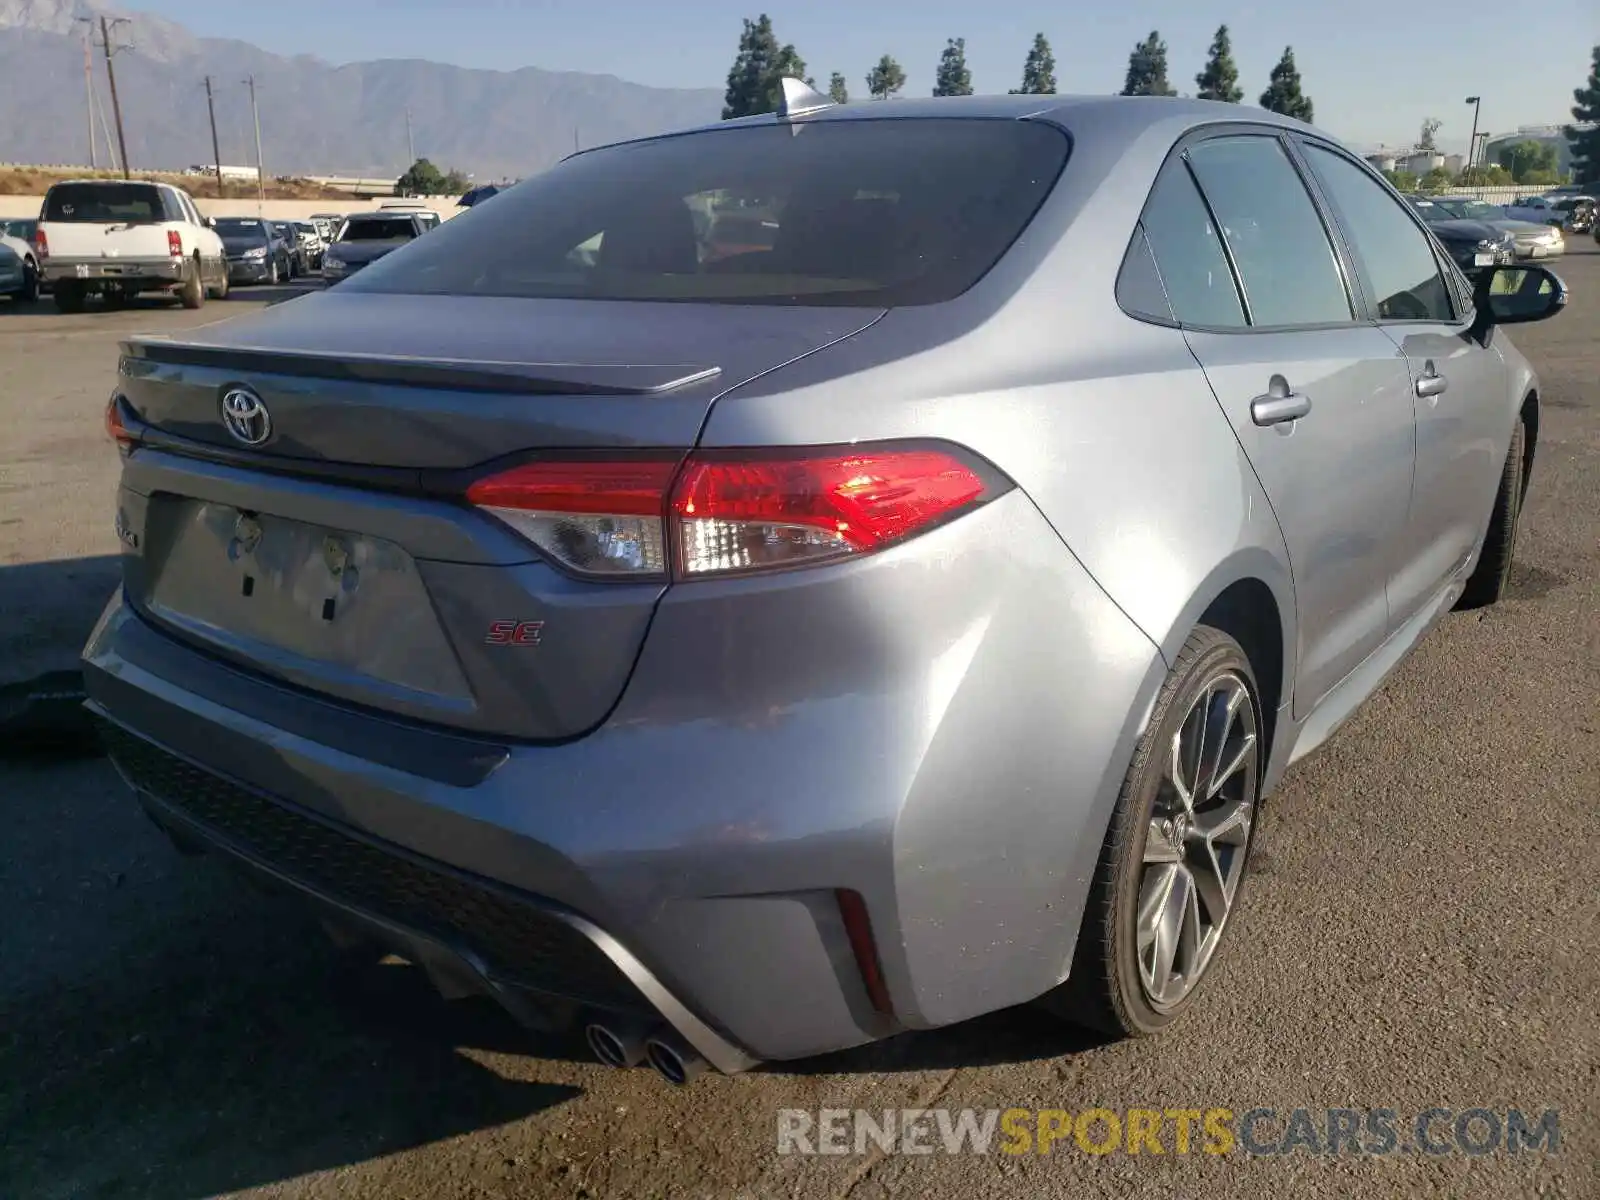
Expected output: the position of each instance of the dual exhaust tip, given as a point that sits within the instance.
(626, 1046)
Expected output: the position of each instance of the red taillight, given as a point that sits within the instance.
(747, 513)
(174, 243)
(730, 512)
(41, 244)
(115, 429)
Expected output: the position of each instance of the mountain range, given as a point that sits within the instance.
(316, 118)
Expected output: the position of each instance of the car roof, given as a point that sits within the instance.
(1111, 117)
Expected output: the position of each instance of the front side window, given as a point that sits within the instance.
(868, 212)
(1285, 260)
(1396, 258)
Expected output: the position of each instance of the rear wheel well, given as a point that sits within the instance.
(1529, 416)
(1247, 612)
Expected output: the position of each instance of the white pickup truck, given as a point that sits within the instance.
(118, 238)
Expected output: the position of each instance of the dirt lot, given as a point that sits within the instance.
(1420, 932)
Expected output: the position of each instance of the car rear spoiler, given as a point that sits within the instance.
(531, 378)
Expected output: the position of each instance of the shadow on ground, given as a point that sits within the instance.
(198, 1038)
(46, 612)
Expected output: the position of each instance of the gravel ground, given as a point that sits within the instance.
(1419, 932)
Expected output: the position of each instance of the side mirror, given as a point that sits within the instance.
(210, 222)
(1515, 295)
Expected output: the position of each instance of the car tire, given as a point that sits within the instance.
(193, 292)
(1487, 583)
(1171, 869)
(69, 297)
(220, 292)
(30, 284)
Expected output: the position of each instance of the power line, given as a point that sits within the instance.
(88, 91)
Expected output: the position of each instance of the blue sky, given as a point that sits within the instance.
(1375, 68)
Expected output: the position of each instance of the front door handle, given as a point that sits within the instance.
(1277, 407)
(1431, 383)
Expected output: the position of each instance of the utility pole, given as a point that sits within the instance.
(1472, 145)
(261, 174)
(411, 145)
(216, 150)
(111, 77)
(88, 88)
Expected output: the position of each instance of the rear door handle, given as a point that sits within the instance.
(1273, 409)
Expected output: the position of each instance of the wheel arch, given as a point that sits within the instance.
(1250, 597)
(1529, 416)
(1247, 611)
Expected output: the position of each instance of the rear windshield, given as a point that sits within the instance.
(377, 229)
(872, 212)
(108, 202)
(240, 229)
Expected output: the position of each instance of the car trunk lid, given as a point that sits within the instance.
(334, 557)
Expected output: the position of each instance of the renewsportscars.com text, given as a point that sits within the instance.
(1151, 1131)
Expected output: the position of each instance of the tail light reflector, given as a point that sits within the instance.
(115, 429)
(596, 518)
(41, 244)
(722, 512)
(858, 928)
(174, 243)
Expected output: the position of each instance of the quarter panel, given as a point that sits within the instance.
(1115, 434)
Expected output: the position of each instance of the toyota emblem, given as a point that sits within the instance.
(246, 416)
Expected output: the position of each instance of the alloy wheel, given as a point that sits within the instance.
(1198, 839)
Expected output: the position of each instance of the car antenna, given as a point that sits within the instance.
(800, 98)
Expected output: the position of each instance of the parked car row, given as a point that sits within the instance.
(114, 239)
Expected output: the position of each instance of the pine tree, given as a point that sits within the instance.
(1039, 71)
(752, 69)
(1283, 94)
(837, 91)
(755, 82)
(1220, 79)
(1585, 143)
(885, 79)
(786, 65)
(953, 78)
(1147, 69)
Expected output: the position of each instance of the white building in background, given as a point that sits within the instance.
(1545, 135)
(1420, 162)
(227, 171)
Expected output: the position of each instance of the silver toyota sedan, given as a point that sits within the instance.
(759, 590)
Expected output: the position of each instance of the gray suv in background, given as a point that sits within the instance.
(750, 646)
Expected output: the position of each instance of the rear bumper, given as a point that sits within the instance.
(955, 767)
(149, 272)
(249, 270)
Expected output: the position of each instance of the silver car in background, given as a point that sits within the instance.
(1532, 239)
(886, 610)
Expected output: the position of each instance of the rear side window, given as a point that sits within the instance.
(871, 212)
(105, 202)
(1394, 256)
(1188, 253)
(1285, 260)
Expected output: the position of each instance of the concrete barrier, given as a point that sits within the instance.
(272, 210)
